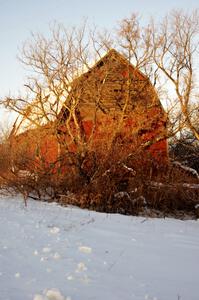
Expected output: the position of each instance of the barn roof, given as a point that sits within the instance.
(105, 86)
(111, 55)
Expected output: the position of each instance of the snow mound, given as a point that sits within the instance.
(39, 297)
(81, 267)
(55, 230)
(52, 294)
(85, 249)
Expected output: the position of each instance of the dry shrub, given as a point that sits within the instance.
(174, 189)
(120, 180)
(21, 173)
(135, 185)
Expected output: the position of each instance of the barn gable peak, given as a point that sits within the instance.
(113, 54)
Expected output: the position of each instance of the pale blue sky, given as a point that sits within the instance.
(19, 17)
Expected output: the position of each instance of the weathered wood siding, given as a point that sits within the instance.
(113, 90)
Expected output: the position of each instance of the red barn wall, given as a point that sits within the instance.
(144, 118)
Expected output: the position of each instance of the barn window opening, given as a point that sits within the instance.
(100, 64)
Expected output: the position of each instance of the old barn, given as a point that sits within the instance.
(111, 106)
(114, 100)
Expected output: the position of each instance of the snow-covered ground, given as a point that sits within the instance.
(55, 253)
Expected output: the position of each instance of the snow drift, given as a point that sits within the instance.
(48, 252)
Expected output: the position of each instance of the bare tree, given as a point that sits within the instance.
(135, 42)
(175, 52)
(162, 50)
(167, 52)
(55, 64)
